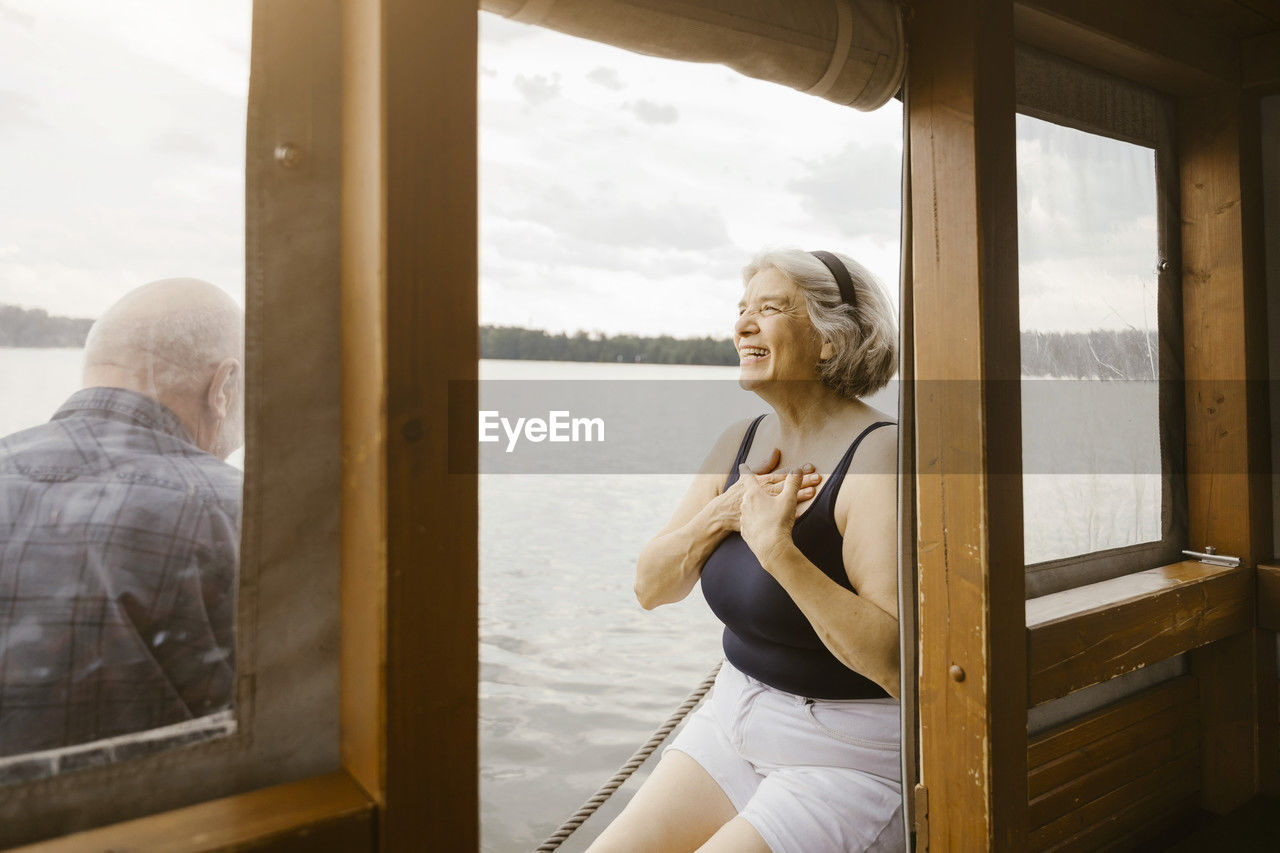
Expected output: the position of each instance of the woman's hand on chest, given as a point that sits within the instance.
(767, 518)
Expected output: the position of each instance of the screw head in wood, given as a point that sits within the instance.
(287, 155)
(957, 674)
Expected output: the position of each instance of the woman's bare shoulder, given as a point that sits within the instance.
(878, 451)
(725, 449)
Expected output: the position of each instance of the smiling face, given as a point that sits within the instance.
(775, 339)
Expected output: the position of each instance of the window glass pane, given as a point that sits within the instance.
(1088, 245)
(121, 372)
(621, 195)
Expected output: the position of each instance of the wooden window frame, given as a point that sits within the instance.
(1066, 93)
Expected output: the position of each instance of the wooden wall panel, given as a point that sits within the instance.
(1112, 775)
(970, 553)
(1228, 445)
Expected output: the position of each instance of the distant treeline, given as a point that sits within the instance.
(1100, 354)
(515, 342)
(34, 327)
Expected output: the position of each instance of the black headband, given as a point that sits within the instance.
(841, 275)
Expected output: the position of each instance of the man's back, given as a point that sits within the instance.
(119, 542)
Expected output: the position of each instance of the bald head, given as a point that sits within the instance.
(179, 341)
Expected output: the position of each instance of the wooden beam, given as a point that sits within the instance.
(410, 525)
(364, 362)
(324, 813)
(1228, 417)
(1090, 634)
(1224, 326)
(1143, 40)
(970, 552)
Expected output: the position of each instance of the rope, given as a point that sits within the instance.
(624, 772)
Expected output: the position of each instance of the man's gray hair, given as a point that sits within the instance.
(865, 338)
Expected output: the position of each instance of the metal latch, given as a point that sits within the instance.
(1211, 557)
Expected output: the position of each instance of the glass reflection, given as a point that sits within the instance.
(120, 529)
(1088, 246)
(122, 411)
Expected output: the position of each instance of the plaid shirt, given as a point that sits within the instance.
(119, 542)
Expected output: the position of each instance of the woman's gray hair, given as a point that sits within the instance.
(865, 338)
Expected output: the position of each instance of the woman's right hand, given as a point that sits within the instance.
(726, 507)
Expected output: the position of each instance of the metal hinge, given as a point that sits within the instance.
(1211, 557)
(922, 818)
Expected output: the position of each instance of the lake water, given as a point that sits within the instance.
(574, 675)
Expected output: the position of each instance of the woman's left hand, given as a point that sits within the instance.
(766, 520)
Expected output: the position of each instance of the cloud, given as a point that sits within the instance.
(857, 189)
(538, 88)
(184, 143)
(606, 77)
(14, 16)
(1085, 197)
(652, 113)
(601, 212)
(17, 109)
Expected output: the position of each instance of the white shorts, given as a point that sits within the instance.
(810, 775)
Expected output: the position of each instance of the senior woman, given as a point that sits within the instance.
(797, 749)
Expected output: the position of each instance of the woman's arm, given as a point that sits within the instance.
(860, 629)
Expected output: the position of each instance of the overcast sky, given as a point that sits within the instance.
(624, 193)
(619, 193)
(122, 143)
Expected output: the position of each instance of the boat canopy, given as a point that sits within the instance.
(852, 52)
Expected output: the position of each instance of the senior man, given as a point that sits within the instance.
(119, 529)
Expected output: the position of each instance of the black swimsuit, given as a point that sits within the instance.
(766, 635)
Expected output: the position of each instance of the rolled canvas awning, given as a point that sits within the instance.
(851, 52)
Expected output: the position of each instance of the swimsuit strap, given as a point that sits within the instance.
(843, 466)
(743, 450)
(832, 484)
